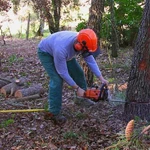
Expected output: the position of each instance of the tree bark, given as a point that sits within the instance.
(138, 90)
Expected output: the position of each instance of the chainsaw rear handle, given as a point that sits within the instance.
(103, 92)
(104, 86)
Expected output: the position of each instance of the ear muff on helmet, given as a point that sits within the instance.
(78, 46)
(87, 39)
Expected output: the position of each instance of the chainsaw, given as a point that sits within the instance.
(95, 93)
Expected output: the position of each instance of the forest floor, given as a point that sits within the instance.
(93, 127)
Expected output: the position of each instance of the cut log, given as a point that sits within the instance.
(36, 89)
(9, 89)
(6, 80)
(3, 83)
(21, 81)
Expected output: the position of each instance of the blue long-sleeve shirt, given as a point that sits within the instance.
(60, 46)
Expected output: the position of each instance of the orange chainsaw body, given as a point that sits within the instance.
(92, 93)
(97, 94)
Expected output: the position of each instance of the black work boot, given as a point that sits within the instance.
(57, 119)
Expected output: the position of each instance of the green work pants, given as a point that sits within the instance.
(56, 82)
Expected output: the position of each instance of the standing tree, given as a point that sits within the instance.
(94, 22)
(138, 91)
(114, 36)
(49, 9)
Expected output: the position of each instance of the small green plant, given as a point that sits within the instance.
(6, 123)
(13, 58)
(22, 73)
(84, 135)
(46, 106)
(80, 115)
(111, 80)
(28, 83)
(70, 135)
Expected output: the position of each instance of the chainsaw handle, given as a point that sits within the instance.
(103, 86)
(102, 89)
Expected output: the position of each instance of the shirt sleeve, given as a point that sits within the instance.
(61, 67)
(91, 62)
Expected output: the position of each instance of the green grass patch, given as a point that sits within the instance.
(6, 123)
(111, 80)
(13, 58)
(80, 115)
(70, 135)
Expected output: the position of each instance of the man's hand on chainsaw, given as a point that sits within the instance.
(103, 80)
(80, 92)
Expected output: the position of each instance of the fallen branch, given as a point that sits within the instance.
(12, 103)
(22, 110)
(31, 97)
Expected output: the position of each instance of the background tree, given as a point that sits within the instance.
(50, 10)
(114, 35)
(94, 22)
(127, 16)
(4, 5)
(138, 91)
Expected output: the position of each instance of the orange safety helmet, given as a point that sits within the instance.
(86, 40)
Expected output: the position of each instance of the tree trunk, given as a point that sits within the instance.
(41, 28)
(57, 9)
(2, 37)
(114, 37)
(138, 91)
(28, 27)
(54, 20)
(94, 22)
